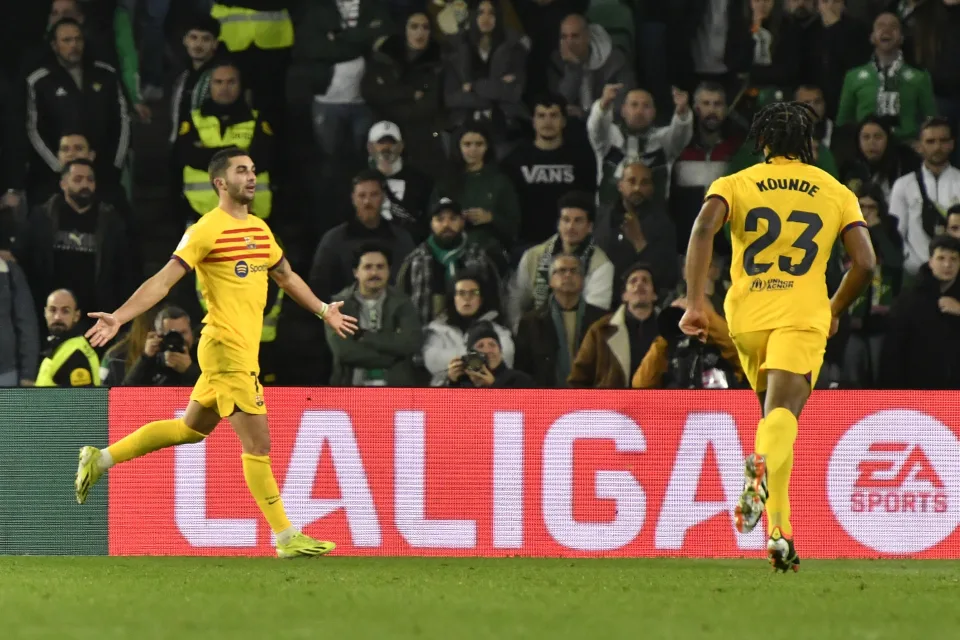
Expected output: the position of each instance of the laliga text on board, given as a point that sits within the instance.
(545, 473)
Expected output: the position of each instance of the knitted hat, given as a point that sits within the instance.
(479, 331)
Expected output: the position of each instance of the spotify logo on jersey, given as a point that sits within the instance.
(241, 269)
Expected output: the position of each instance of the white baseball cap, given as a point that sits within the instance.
(384, 129)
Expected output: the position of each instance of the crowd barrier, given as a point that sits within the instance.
(439, 472)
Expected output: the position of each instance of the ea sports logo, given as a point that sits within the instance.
(241, 269)
(894, 481)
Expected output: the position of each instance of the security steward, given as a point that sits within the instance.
(70, 361)
(259, 35)
(223, 120)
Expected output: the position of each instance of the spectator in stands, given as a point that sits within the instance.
(542, 170)
(192, 86)
(407, 189)
(769, 39)
(469, 301)
(426, 273)
(487, 196)
(75, 241)
(381, 352)
(541, 22)
(259, 36)
(887, 86)
(485, 76)
(615, 345)
(922, 346)
(484, 366)
(121, 357)
(169, 357)
(869, 313)
(937, 49)
(223, 120)
(803, 12)
(920, 212)
(576, 213)
(813, 95)
(108, 38)
(953, 221)
(334, 259)
(635, 137)
(403, 84)
(880, 158)
(71, 92)
(585, 63)
(715, 288)
(836, 42)
(549, 337)
(69, 360)
(636, 227)
(668, 363)
(327, 67)
(19, 334)
(704, 160)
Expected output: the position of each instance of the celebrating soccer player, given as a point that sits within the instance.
(233, 252)
(785, 216)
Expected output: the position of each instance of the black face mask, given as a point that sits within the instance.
(82, 198)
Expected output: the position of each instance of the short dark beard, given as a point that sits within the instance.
(448, 243)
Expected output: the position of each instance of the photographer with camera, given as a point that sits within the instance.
(483, 365)
(678, 361)
(168, 359)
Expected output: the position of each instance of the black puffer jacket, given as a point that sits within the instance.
(391, 86)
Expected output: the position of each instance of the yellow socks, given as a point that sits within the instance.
(151, 437)
(263, 487)
(775, 437)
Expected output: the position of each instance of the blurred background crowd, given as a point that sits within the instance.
(500, 190)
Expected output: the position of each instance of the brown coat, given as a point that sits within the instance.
(649, 374)
(604, 357)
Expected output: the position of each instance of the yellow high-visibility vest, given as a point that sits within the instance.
(196, 182)
(269, 331)
(241, 27)
(51, 365)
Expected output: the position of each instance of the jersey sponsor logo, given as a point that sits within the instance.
(548, 174)
(241, 269)
(892, 482)
(774, 284)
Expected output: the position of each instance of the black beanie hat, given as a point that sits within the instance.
(479, 331)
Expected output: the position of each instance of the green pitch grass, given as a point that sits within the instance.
(357, 598)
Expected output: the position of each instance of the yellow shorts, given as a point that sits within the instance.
(227, 392)
(785, 348)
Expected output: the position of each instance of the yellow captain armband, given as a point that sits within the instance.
(323, 310)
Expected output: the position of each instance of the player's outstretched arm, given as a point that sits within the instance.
(856, 240)
(152, 291)
(695, 321)
(296, 288)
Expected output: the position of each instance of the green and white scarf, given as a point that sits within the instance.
(888, 96)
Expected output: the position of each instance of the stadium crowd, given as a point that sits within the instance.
(501, 191)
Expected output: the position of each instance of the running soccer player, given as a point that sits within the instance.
(232, 252)
(785, 216)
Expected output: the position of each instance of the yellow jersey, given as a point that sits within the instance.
(785, 217)
(232, 258)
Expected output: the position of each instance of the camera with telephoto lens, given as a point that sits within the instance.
(173, 341)
(474, 361)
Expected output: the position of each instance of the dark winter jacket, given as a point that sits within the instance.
(538, 343)
(922, 347)
(114, 280)
(503, 378)
(606, 65)
(152, 372)
(832, 51)
(315, 54)
(19, 333)
(391, 349)
(333, 261)
(660, 252)
(55, 104)
(390, 86)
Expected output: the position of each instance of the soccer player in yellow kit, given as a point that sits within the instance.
(785, 216)
(233, 252)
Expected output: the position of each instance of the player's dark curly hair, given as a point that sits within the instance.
(785, 129)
